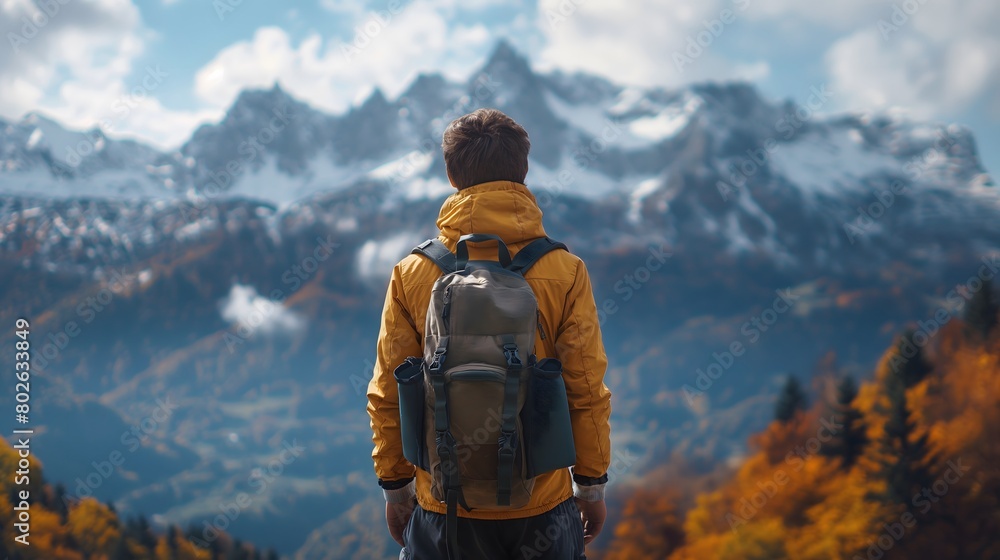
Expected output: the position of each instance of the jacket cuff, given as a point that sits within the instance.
(400, 495)
(591, 493)
(590, 481)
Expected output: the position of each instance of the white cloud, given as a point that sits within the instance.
(939, 61)
(376, 258)
(246, 308)
(330, 74)
(843, 14)
(935, 61)
(91, 42)
(80, 66)
(471, 5)
(633, 42)
(351, 7)
(75, 65)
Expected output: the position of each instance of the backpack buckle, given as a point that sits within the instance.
(446, 452)
(438, 358)
(510, 352)
(508, 443)
(445, 442)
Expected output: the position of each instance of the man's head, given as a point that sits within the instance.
(485, 145)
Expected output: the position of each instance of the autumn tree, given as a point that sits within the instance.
(758, 541)
(93, 527)
(919, 447)
(84, 529)
(650, 527)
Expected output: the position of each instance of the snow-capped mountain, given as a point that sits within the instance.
(38, 157)
(709, 162)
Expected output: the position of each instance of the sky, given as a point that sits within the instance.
(156, 69)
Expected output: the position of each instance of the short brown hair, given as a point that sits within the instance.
(485, 145)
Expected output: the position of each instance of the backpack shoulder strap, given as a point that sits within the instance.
(437, 252)
(532, 252)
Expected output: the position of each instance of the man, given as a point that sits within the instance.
(486, 159)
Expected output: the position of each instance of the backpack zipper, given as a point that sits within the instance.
(538, 321)
(447, 302)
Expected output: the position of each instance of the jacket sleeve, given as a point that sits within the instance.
(580, 349)
(398, 338)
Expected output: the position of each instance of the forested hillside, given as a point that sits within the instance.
(904, 466)
(61, 528)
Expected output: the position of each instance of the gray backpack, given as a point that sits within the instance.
(478, 412)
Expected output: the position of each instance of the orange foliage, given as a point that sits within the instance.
(788, 500)
(650, 528)
(90, 531)
(94, 527)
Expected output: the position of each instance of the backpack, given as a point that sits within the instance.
(478, 411)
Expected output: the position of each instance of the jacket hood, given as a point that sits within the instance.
(503, 208)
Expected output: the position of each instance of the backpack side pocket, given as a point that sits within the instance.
(548, 430)
(410, 382)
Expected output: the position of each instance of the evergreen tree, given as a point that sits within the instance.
(849, 443)
(215, 548)
(122, 550)
(271, 554)
(193, 534)
(233, 554)
(983, 313)
(908, 361)
(137, 528)
(906, 467)
(238, 552)
(791, 401)
(61, 503)
(173, 536)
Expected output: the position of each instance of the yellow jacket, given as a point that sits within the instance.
(566, 301)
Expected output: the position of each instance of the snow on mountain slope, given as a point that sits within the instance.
(831, 162)
(273, 148)
(645, 160)
(38, 157)
(64, 146)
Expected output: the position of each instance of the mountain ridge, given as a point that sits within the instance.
(712, 165)
(564, 111)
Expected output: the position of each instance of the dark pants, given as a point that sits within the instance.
(554, 535)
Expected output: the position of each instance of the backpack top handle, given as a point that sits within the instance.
(462, 251)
